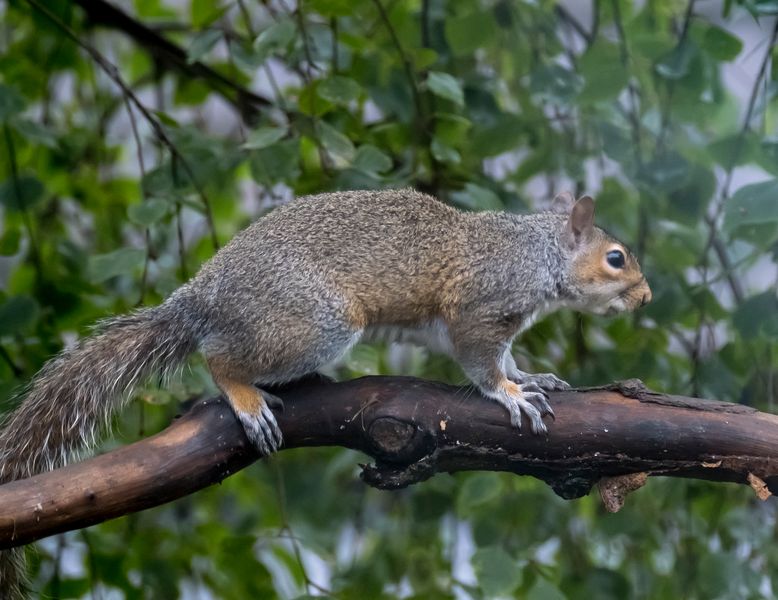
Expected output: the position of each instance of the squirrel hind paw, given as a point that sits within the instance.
(261, 428)
(252, 407)
(273, 402)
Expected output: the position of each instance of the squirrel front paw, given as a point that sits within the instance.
(526, 399)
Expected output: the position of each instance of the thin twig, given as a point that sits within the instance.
(179, 228)
(749, 111)
(21, 205)
(712, 220)
(565, 15)
(268, 71)
(406, 63)
(665, 111)
(246, 19)
(324, 157)
(142, 167)
(425, 23)
(334, 30)
(287, 528)
(15, 369)
(633, 111)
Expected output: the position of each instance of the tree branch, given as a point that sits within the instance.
(171, 57)
(414, 429)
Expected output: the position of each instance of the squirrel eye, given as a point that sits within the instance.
(615, 259)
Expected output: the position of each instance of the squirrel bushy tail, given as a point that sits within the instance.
(74, 397)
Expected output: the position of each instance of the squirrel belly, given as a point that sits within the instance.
(295, 290)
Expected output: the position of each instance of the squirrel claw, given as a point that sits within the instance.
(548, 381)
(262, 429)
(273, 402)
(524, 403)
(540, 400)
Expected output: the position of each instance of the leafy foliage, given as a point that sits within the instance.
(110, 200)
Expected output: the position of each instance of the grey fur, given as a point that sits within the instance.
(295, 290)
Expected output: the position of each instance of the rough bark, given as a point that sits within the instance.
(413, 429)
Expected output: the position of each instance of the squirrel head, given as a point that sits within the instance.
(605, 274)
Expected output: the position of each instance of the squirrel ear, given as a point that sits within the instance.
(563, 203)
(581, 221)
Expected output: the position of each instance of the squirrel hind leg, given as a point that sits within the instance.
(252, 407)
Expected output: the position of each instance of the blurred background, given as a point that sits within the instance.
(139, 136)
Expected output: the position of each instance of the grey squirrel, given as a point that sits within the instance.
(295, 290)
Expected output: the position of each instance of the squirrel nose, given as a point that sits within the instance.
(646, 298)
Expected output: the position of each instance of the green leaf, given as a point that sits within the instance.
(263, 137)
(244, 57)
(752, 205)
(675, 65)
(339, 90)
(9, 242)
(757, 314)
(467, 33)
(720, 575)
(336, 144)
(276, 37)
(453, 129)
(423, 58)
(767, 156)
(604, 73)
(504, 135)
(202, 44)
(445, 86)
(205, 12)
(148, 212)
(35, 132)
(279, 162)
(17, 314)
(479, 489)
(476, 197)
(736, 149)
(331, 8)
(544, 590)
(555, 83)
(667, 172)
(364, 360)
(443, 152)
(762, 7)
(499, 574)
(166, 119)
(119, 262)
(370, 159)
(691, 198)
(11, 102)
(23, 194)
(721, 44)
(309, 102)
